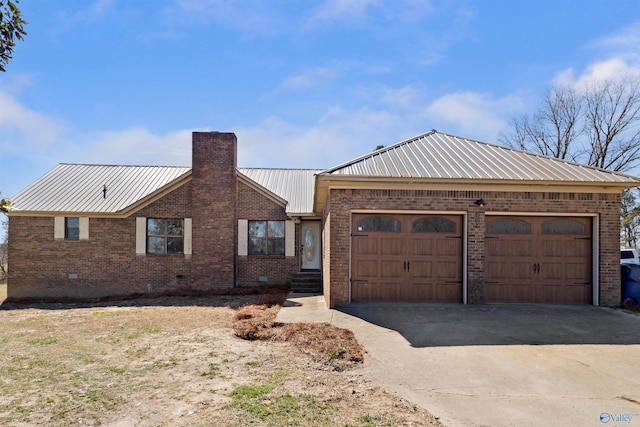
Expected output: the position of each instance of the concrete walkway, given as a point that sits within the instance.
(497, 365)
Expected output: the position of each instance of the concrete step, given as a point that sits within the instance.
(306, 282)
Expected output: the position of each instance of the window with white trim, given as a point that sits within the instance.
(165, 236)
(266, 238)
(72, 228)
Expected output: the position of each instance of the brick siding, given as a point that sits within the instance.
(213, 209)
(341, 202)
(254, 206)
(106, 264)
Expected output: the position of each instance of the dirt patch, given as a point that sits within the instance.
(177, 361)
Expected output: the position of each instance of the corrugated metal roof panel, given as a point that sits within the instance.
(79, 188)
(296, 186)
(437, 155)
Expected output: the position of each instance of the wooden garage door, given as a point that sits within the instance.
(538, 260)
(406, 258)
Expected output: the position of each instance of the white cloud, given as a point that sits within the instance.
(623, 43)
(603, 70)
(341, 10)
(22, 128)
(620, 56)
(310, 78)
(338, 136)
(355, 12)
(137, 145)
(410, 97)
(248, 16)
(88, 14)
(477, 115)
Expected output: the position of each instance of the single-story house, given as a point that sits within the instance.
(436, 218)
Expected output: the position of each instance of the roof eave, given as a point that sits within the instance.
(476, 181)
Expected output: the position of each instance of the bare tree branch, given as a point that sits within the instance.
(554, 127)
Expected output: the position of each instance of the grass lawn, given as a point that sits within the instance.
(179, 362)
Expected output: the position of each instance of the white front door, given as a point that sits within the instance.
(310, 241)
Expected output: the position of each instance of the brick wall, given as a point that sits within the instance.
(278, 269)
(104, 265)
(214, 200)
(341, 202)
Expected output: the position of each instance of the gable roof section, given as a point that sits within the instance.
(437, 156)
(296, 186)
(79, 188)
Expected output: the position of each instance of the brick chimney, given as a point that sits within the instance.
(214, 200)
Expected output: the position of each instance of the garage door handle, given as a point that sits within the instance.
(408, 266)
(404, 266)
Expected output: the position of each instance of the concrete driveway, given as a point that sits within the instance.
(498, 365)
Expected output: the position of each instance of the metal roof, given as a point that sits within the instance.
(440, 156)
(79, 188)
(296, 186)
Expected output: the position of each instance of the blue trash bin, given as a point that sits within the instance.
(630, 275)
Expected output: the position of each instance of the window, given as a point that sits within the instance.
(562, 226)
(379, 223)
(165, 236)
(72, 228)
(434, 225)
(266, 238)
(509, 226)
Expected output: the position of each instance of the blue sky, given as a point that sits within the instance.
(302, 83)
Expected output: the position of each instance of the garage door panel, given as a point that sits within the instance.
(364, 246)
(448, 292)
(421, 247)
(366, 268)
(436, 292)
(391, 246)
(416, 260)
(506, 292)
(568, 294)
(363, 291)
(576, 272)
(552, 270)
(551, 248)
(538, 259)
(422, 292)
(523, 292)
(422, 269)
(391, 268)
(390, 291)
(510, 270)
(511, 248)
(447, 270)
(447, 247)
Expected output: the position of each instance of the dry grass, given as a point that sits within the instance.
(177, 362)
(321, 341)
